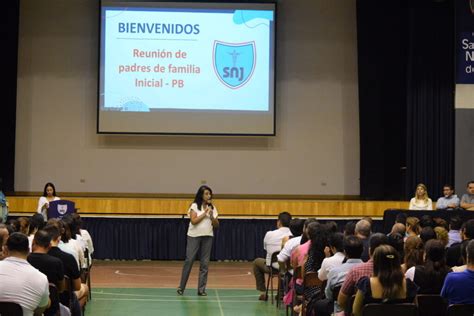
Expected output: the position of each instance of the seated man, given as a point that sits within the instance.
(336, 248)
(458, 287)
(50, 266)
(81, 291)
(271, 243)
(20, 282)
(455, 224)
(449, 200)
(453, 253)
(297, 225)
(363, 230)
(467, 200)
(353, 250)
(356, 273)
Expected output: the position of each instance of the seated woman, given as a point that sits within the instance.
(388, 283)
(430, 276)
(49, 195)
(413, 251)
(421, 201)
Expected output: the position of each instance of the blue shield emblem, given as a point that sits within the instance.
(234, 64)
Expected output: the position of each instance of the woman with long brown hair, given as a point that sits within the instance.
(388, 283)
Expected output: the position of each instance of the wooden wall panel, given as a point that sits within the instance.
(230, 207)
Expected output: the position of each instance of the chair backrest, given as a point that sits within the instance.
(275, 256)
(69, 289)
(10, 309)
(54, 297)
(461, 310)
(390, 310)
(311, 279)
(60, 208)
(431, 305)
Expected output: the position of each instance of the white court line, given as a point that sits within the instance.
(219, 303)
(154, 295)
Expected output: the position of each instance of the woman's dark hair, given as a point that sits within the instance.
(396, 241)
(49, 184)
(427, 233)
(349, 228)
(435, 260)
(69, 221)
(198, 198)
(304, 236)
(413, 252)
(36, 223)
(353, 247)
(318, 237)
(336, 240)
(388, 270)
(23, 225)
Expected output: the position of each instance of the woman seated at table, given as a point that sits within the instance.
(421, 201)
(388, 283)
(49, 195)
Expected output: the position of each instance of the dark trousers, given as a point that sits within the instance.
(259, 269)
(195, 244)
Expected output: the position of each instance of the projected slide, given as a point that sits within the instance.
(187, 68)
(190, 59)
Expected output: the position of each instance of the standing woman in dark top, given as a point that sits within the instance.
(388, 283)
(430, 276)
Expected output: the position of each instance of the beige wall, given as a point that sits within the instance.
(316, 150)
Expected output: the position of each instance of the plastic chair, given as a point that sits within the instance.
(310, 280)
(273, 273)
(10, 309)
(390, 310)
(461, 310)
(431, 305)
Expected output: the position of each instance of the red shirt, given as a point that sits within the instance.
(364, 269)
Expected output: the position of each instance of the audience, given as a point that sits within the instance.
(455, 224)
(271, 244)
(467, 200)
(36, 223)
(387, 284)
(349, 228)
(334, 255)
(421, 201)
(449, 200)
(413, 252)
(20, 282)
(458, 287)
(297, 226)
(430, 276)
(453, 254)
(427, 233)
(442, 235)
(356, 273)
(71, 270)
(3, 239)
(363, 230)
(352, 250)
(50, 266)
(412, 227)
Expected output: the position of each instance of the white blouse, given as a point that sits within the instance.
(421, 205)
(41, 202)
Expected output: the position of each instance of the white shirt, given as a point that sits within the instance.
(420, 205)
(23, 284)
(410, 274)
(41, 202)
(204, 227)
(72, 247)
(291, 244)
(329, 263)
(272, 242)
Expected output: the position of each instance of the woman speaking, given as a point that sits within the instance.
(49, 195)
(203, 219)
